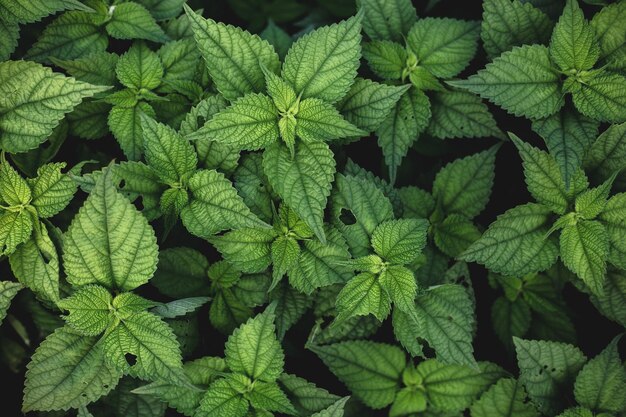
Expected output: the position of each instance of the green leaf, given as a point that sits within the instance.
(34, 100)
(608, 153)
(370, 370)
(140, 182)
(36, 265)
(601, 382)
(324, 62)
(509, 23)
(254, 350)
(302, 181)
(363, 295)
(277, 37)
(125, 124)
(402, 127)
(8, 290)
(443, 46)
(546, 370)
(109, 242)
(610, 38)
(612, 218)
(215, 206)
(521, 81)
(14, 189)
(459, 114)
(464, 185)
(269, 397)
(450, 387)
(387, 20)
(89, 310)
(611, 303)
(290, 307)
(68, 370)
(385, 58)
(248, 249)
(368, 103)
(285, 252)
(305, 396)
(250, 123)
(584, 250)
(180, 307)
(543, 177)
(16, 228)
(28, 11)
(444, 317)
(334, 410)
(568, 136)
(163, 9)
(573, 45)
(408, 400)
(399, 282)
(400, 241)
(576, 412)
(317, 120)
(171, 156)
(223, 398)
(72, 35)
(233, 56)
(602, 97)
(592, 201)
(139, 67)
(510, 319)
(507, 398)
(455, 234)
(516, 244)
(151, 342)
(132, 21)
(9, 33)
(52, 191)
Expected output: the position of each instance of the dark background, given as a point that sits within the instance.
(423, 161)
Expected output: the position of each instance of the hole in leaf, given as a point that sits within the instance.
(130, 359)
(122, 184)
(347, 217)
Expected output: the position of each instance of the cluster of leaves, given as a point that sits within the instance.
(216, 182)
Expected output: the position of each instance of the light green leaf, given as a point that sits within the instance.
(592, 202)
(233, 56)
(546, 369)
(14, 189)
(250, 123)
(223, 398)
(253, 349)
(109, 242)
(89, 310)
(402, 127)
(151, 344)
(464, 185)
(568, 136)
(125, 124)
(459, 114)
(269, 397)
(368, 103)
(285, 252)
(302, 181)
(8, 290)
(584, 250)
(573, 45)
(516, 244)
(248, 249)
(72, 35)
(386, 59)
(51, 190)
(363, 295)
(171, 156)
(400, 241)
(36, 265)
(16, 228)
(334, 410)
(601, 382)
(215, 206)
(139, 67)
(132, 21)
(324, 62)
(28, 11)
(68, 370)
(317, 120)
(521, 81)
(280, 91)
(443, 46)
(507, 398)
(387, 20)
(509, 23)
(444, 316)
(33, 100)
(399, 282)
(370, 370)
(408, 400)
(602, 97)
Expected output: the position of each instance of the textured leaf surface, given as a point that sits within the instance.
(521, 81)
(387, 20)
(27, 11)
(132, 21)
(507, 398)
(361, 296)
(318, 120)
(88, 307)
(400, 241)
(573, 44)
(109, 242)
(8, 290)
(584, 249)
(603, 98)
